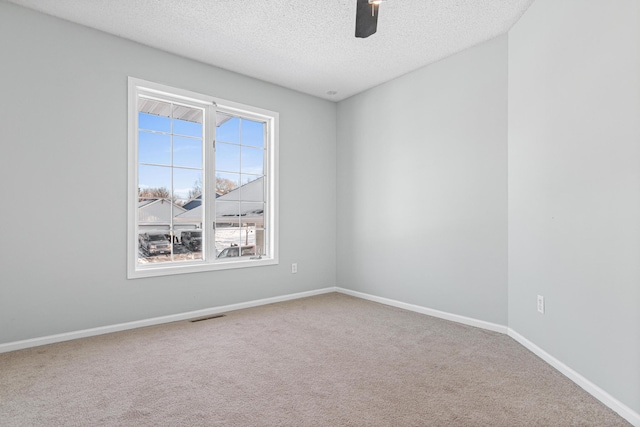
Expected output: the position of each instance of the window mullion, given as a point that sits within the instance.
(209, 187)
(171, 195)
(240, 188)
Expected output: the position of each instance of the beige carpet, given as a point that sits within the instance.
(330, 360)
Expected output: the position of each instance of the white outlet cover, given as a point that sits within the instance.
(540, 304)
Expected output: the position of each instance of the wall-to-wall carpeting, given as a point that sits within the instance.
(329, 360)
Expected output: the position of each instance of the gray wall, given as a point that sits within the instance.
(63, 127)
(574, 187)
(422, 190)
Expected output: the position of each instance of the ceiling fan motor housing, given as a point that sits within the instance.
(366, 17)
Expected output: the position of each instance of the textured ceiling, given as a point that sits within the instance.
(304, 45)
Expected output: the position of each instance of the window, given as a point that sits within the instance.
(202, 182)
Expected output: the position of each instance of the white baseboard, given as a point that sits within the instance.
(604, 397)
(35, 342)
(428, 311)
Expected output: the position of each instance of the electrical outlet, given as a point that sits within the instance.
(540, 304)
(294, 268)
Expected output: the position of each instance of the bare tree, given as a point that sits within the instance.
(154, 193)
(224, 185)
(196, 190)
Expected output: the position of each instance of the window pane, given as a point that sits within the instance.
(227, 157)
(234, 242)
(190, 243)
(226, 239)
(252, 213)
(157, 214)
(227, 211)
(154, 182)
(228, 128)
(187, 152)
(187, 184)
(252, 133)
(154, 245)
(187, 121)
(253, 160)
(260, 242)
(188, 232)
(155, 122)
(189, 219)
(226, 183)
(154, 148)
(252, 189)
(246, 178)
(181, 127)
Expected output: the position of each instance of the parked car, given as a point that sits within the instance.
(234, 251)
(154, 243)
(192, 240)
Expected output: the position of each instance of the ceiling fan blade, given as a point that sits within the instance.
(366, 18)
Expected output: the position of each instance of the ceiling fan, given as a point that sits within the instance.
(367, 17)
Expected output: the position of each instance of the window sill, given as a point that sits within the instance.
(156, 271)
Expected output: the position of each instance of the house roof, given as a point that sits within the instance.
(158, 211)
(230, 206)
(193, 203)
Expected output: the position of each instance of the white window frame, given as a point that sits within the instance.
(212, 104)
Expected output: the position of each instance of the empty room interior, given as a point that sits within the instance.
(491, 193)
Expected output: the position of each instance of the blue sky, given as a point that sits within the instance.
(238, 163)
